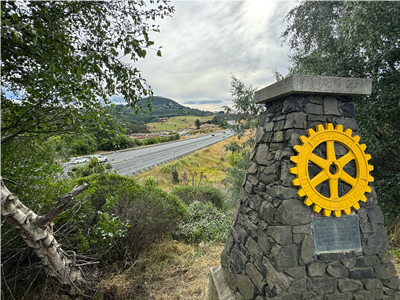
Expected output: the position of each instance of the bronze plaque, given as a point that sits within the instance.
(333, 234)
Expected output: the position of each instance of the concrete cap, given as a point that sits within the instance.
(304, 84)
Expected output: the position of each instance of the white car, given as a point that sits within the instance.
(100, 158)
(78, 160)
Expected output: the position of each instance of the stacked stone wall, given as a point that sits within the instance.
(269, 253)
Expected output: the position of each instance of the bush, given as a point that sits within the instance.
(203, 194)
(205, 223)
(175, 176)
(147, 212)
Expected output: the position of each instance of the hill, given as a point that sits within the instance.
(161, 108)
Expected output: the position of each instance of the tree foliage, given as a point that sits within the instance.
(245, 112)
(357, 39)
(61, 60)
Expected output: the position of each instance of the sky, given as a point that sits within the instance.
(205, 42)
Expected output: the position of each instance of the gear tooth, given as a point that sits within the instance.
(363, 198)
(308, 202)
(368, 189)
(348, 131)
(347, 211)
(294, 159)
(356, 206)
(370, 178)
(339, 127)
(320, 128)
(317, 208)
(298, 148)
(370, 167)
(367, 157)
(301, 193)
(356, 138)
(329, 126)
(303, 139)
(294, 171)
(363, 147)
(337, 213)
(310, 132)
(296, 181)
(327, 212)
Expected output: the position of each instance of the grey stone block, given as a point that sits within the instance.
(385, 271)
(262, 154)
(316, 269)
(277, 281)
(281, 234)
(263, 242)
(267, 211)
(337, 271)
(362, 273)
(302, 229)
(293, 212)
(256, 277)
(375, 214)
(331, 106)
(372, 284)
(296, 272)
(339, 296)
(364, 295)
(254, 250)
(279, 137)
(218, 286)
(295, 120)
(307, 249)
(347, 110)
(312, 108)
(376, 242)
(245, 286)
(347, 123)
(367, 261)
(348, 262)
(392, 283)
(287, 256)
(349, 285)
(324, 285)
(282, 192)
(304, 84)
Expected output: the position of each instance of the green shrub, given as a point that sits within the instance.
(205, 223)
(203, 194)
(175, 176)
(149, 212)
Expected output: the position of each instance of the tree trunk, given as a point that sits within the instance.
(37, 232)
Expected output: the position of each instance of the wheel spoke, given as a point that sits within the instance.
(330, 150)
(319, 161)
(348, 179)
(321, 177)
(345, 159)
(334, 187)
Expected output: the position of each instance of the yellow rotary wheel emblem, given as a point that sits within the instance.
(332, 170)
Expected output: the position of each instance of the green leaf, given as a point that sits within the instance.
(159, 53)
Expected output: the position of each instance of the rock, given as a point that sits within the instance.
(263, 242)
(278, 137)
(281, 234)
(392, 283)
(348, 110)
(286, 256)
(282, 192)
(316, 269)
(262, 154)
(254, 250)
(277, 281)
(376, 242)
(348, 262)
(362, 273)
(349, 285)
(375, 214)
(339, 296)
(331, 106)
(296, 272)
(307, 249)
(245, 286)
(293, 212)
(337, 271)
(295, 120)
(314, 109)
(267, 211)
(255, 277)
(385, 271)
(372, 284)
(324, 285)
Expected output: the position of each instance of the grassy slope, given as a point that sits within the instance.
(178, 121)
(172, 269)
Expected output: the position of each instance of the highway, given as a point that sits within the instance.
(134, 161)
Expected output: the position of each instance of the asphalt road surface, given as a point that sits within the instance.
(130, 162)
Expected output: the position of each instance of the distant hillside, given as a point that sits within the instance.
(161, 108)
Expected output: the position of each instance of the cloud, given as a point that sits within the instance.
(205, 42)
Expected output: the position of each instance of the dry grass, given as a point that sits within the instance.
(212, 164)
(167, 270)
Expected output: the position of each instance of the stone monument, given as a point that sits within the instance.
(307, 225)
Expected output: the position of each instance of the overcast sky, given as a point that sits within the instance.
(206, 41)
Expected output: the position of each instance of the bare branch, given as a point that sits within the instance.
(53, 213)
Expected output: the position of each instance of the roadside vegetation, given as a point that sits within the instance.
(175, 123)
